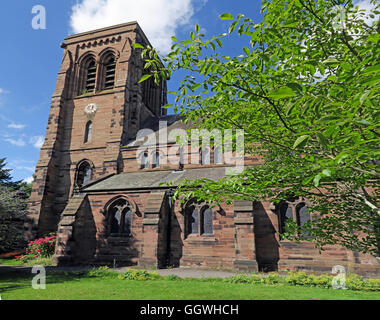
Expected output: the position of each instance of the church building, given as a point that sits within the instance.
(111, 203)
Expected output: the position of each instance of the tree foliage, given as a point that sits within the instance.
(305, 90)
(13, 199)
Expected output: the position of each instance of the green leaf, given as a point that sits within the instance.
(326, 172)
(372, 81)
(331, 62)
(137, 46)
(295, 86)
(316, 180)
(301, 141)
(322, 140)
(371, 69)
(284, 92)
(174, 39)
(219, 42)
(145, 77)
(246, 50)
(226, 16)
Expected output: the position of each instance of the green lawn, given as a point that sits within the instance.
(69, 286)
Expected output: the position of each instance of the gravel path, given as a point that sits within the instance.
(190, 273)
(180, 272)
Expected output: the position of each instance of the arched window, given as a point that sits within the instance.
(302, 215)
(181, 158)
(87, 75)
(191, 220)
(84, 173)
(88, 132)
(120, 218)
(218, 157)
(294, 209)
(206, 220)
(109, 73)
(205, 156)
(285, 213)
(198, 219)
(144, 160)
(156, 159)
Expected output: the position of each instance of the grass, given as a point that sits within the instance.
(80, 286)
(30, 263)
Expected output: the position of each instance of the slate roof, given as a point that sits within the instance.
(174, 122)
(153, 179)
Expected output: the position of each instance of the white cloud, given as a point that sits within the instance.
(16, 142)
(28, 180)
(159, 19)
(37, 141)
(3, 91)
(16, 126)
(367, 6)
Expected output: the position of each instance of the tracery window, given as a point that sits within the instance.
(120, 216)
(294, 209)
(198, 219)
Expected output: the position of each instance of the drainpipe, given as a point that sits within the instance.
(170, 194)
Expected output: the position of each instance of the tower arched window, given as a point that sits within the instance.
(90, 76)
(108, 76)
(87, 75)
(84, 173)
(88, 132)
(120, 218)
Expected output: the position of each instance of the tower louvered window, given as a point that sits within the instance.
(110, 69)
(91, 76)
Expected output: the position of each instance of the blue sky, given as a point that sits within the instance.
(30, 59)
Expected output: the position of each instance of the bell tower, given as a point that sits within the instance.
(97, 106)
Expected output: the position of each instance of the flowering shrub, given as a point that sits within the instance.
(39, 248)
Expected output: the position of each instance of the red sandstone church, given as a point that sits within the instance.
(110, 205)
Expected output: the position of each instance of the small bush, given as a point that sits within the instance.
(272, 278)
(140, 275)
(373, 284)
(240, 278)
(39, 248)
(173, 277)
(102, 272)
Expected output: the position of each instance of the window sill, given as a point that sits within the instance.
(201, 238)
